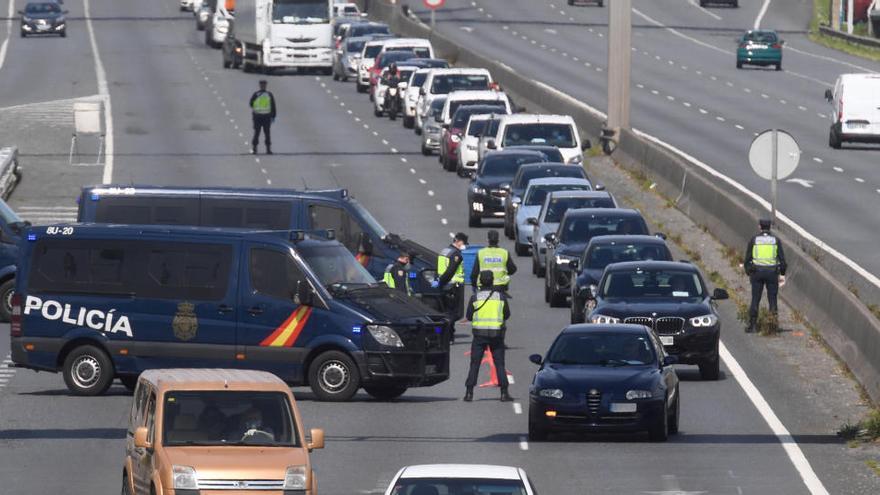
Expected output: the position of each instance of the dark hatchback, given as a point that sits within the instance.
(487, 193)
(550, 168)
(43, 18)
(604, 378)
(602, 251)
(672, 299)
(575, 231)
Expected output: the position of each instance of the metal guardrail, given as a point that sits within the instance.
(852, 38)
(10, 170)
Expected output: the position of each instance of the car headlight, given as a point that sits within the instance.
(184, 478)
(703, 321)
(455, 138)
(385, 335)
(552, 393)
(638, 394)
(478, 190)
(577, 159)
(604, 320)
(295, 478)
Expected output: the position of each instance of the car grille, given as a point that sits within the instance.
(594, 400)
(664, 325)
(498, 193)
(274, 485)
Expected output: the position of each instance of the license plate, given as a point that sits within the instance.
(623, 407)
(857, 125)
(667, 340)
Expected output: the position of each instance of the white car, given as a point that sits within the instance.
(553, 130)
(420, 46)
(461, 98)
(346, 10)
(470, 139)
(855, 109)
(186, 5)
(411, 97)
(219, 26)
(379, 97)
(443, 81)
(443, 479)
(368, 59)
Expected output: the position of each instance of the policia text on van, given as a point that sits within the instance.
(97, 301)
(269, 209)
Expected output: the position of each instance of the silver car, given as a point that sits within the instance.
(547, 221)
(431, 128)
(532, 201)
(347, 57)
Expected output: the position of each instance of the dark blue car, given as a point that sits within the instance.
(604, 378)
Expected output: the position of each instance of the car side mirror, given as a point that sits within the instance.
(574, 265)
(536, 358)
(491, 144)
(599, 186)
(670, 360)
(587, 144)
(316, 439)
(660, 235)
(720, 295)
(829, 95)
(532, 221)
(140, 438)
(304, 294)
(550, 237)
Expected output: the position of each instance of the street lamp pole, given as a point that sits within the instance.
(619, 60)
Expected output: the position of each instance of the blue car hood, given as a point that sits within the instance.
(573, 378)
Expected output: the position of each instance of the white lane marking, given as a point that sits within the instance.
(821, 115)
(704, 112)
(394, 150)
(764, 96)
(402, 159)
(747, 90)
(385, 142)
(739, 127)
(523, 443)
(412, 170)
(808, 78)
(466, 29)
(817, 159)
(510, 379)
(422, 181)
(802, 108)
(439, 207)
(444, 221)
(703, 10)
(804, 182)
(104, 91)
(257, 160)
(860, 180)
(677, 33)
(788, 47)
(430, 193)
(761, 14)
(517, 408)
(263, 170)
(838, 169)
(813, 483)
(5, 44)
(687, 104)
(550, 31)
(269, 181)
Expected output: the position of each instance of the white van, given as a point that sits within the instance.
(420, 46)
(441, 82)
(553, 130)
(855, 113)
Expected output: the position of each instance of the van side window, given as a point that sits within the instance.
(80, 266)
(147, 210)
(346, 228)
(151, 418)
(243, 213)
(138, 406)
(267, 276)
(186, 271)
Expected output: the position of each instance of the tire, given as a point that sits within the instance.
(539, 272)
(129, 381)
(536, 433)
(474, 220)
(385, 393)
(23, 34)
(125, 490)
(377, 112)
(557, 300)
(7, 289)
(64, 34)
(659, 431)
(343, 78)
(425, 150)
(246, 67)
(449, 164)
(736, 4)
(87, 371)
(226, 63)
(521, 249)
(702, 3)
(710, 370)
(534, 266)
(834, 139)
(417, 130)
(409, 122)
(334, 377)
(547, 289)
(739, 65)
(676, 414)
(360, 88)
(779, 66)
(508, 229)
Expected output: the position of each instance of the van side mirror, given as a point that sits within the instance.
(829, 95)
(140, 438)
(316, 439)
(599, 186)
(670, 360)
(491, 144)
(536, 358)
(587, 144)
(532, 221)
(304, 294)
(365, 244)
(720, 295)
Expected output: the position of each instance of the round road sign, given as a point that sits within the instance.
(434, 4)
(788, 154)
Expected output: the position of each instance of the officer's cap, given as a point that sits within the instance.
(461, 236)
(486, 278)
(764, 223)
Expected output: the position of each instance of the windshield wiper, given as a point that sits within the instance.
(613, 362)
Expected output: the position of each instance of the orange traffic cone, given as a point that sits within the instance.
(493, 373)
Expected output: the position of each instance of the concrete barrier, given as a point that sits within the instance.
(820, 285)
(10, 171)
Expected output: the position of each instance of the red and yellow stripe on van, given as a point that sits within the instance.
(286, 334)
(363, 259)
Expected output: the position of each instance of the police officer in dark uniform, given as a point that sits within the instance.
(397, 273)
(263, 108)
(495, 259)
(450, 272)
(765, 265)
(488, 311)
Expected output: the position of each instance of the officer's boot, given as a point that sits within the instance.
(254, 149)
(268, 149)
(752, 324)
(469, 394)
(505, 397)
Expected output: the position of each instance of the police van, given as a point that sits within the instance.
(265, 209)
(102, 301)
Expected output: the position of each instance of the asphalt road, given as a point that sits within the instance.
(687, 92)
(181, 119)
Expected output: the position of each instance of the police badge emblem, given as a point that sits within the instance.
(185, 322)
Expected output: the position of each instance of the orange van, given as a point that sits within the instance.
(216, 431)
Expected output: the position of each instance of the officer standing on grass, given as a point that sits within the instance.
(263, 108)
(488, 311)
(765, 265)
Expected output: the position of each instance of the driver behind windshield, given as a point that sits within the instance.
(250, 427)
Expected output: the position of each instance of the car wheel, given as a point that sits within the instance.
(534, 265)
(710, 370)
(409, 122)
(779, 66)
(417, 129)
(676, 413)
(659, 431)
(125, 490)
(385, 393)
(536, 433)
(425, 150)
(361, 88)
(87, 371)
(576, 314)
(474, 220)
(739, 64)
(377, 112)
(334, 377)
(834, 139)
(547, 289)
(226, 63)
(508, 228)
(23, 34)
(521, 249)
(450, 164)
(557, 300)
(7, 290)
(343, 78)
(540, 271)
(129, 381)
(64, 34)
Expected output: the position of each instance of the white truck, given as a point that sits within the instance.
(285, 34)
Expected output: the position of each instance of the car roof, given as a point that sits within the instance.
(506, 152)
(547, 165)
(445, 471)
(627, 266)
(358, 39)
(579, 194)
(544, 181)
(409, 42)
(375, 42)
(458, 71)
(629, 239)
(602, 212)
(530, 118)
(583, 328)
(483, 94)
(170, 379)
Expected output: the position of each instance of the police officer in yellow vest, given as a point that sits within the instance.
(765, 264)
(488, 311)
(495, 259)
(396, 274)
(263, 108)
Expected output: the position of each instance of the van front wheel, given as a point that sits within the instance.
(88, 371)
(334, 377)
(7, 290)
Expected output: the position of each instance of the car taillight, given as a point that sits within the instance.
(15, 320)
(776, 46)
(840, 111)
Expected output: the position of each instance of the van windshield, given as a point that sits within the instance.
(374, 226)
(259, 419)
(7, 215)
(335, 265)
(559, 135)
(446, 83)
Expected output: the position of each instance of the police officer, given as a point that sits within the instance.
(764, 263)
(263, 108)
(450, 270)
(497, 260)
(396, 274)
(488, 311)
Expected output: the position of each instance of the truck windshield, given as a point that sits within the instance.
(259, 419)
(300, 12)
(335, 265)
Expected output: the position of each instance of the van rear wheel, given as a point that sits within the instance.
(7, 290)
(88, 371)
(386, 392)
(334, 377)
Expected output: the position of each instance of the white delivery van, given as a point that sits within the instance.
(855, 112)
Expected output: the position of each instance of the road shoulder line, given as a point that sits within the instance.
(104, 91)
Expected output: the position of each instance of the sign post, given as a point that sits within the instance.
(774, 155)
(433, 5)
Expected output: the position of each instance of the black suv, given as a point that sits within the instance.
(602, 251)
(672, 299)
(575, 230)
(490, 186)
(535, 171)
